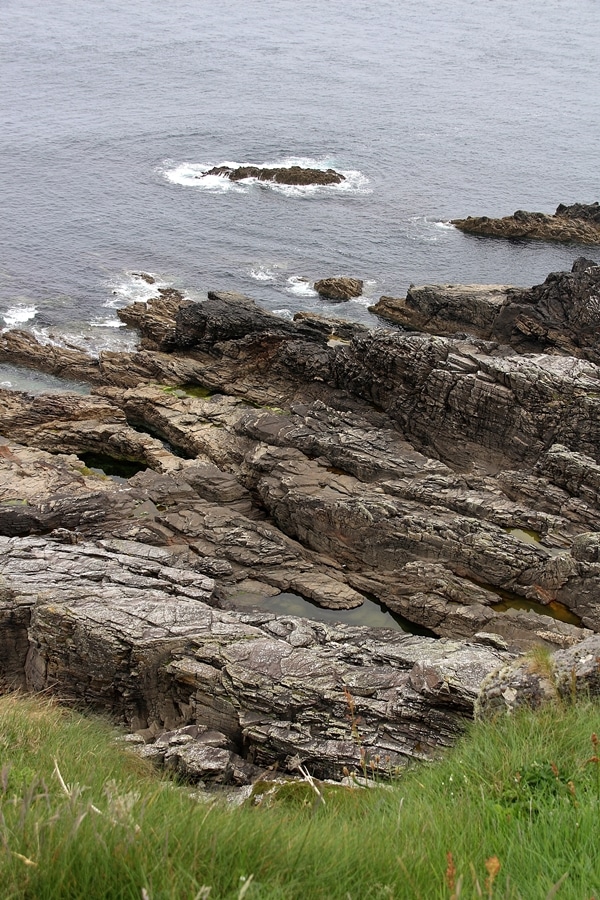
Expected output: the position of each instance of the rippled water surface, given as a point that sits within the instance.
(111, 111)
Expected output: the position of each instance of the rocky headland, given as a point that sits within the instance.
(560, 316)
(449, 474)
(578, 223)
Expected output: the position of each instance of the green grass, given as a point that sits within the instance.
(518, 799)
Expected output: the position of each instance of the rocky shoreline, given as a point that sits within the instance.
(450, 472)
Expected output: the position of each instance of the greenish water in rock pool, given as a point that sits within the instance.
(120, 469)
(554, 609)
(370, 613)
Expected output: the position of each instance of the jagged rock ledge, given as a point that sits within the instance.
(560, 316)
(578, 223)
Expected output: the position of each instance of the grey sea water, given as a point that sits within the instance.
(433, 109)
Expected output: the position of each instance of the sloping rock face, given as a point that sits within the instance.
(560, 316)
(578, 223)
(292, 175)
(453, 480)
(339, 289)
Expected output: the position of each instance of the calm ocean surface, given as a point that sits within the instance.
(434, 109)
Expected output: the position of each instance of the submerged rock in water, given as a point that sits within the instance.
(578, 223)
(291, 175)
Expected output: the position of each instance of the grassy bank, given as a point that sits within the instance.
(514, 811)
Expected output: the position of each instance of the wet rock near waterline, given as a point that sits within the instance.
(339, 289)
(577, 223)
(290, 175)
(156, 331)
(446, 309)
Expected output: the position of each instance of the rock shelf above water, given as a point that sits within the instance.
(578, 223)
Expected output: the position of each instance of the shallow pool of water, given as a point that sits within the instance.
(370, 613)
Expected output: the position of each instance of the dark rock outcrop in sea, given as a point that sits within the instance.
(454, 480)
(339, 289)
(578, 223)
(291, 175)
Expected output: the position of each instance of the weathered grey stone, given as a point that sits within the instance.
(535, 680)
(453, 480)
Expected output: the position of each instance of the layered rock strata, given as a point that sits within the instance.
(123, 628)
(578, 223)
(454, 480)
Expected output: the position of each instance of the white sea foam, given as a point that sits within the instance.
(194, 175)
(369, 290)
(44, 336)
(91, 338)
(5, 384)
(284, 313)
(447, 226)
(422, 229)
(300, 286)
(262, 273)
(132, 289)
(19, 314)
(107, 323)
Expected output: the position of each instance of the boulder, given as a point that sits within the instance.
(339, 289)
(562, 315)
